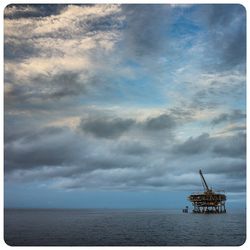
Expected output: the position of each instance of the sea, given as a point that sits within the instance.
(121, 227)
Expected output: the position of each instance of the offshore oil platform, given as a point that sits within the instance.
(208, 201)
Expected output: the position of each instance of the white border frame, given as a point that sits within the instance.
(3, 4)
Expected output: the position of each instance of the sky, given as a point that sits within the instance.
(119, 106)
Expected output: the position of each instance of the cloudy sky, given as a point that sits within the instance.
(121, 105)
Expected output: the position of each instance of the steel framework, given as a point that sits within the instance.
(208, 201)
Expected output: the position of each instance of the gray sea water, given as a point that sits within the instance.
(106, 227)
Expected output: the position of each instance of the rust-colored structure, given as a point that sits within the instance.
(208, 201)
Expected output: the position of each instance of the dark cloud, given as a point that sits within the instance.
(19, 49)
(15, 11)
(160, 122)
(224, 90)
(133, 148)
(41, 134)
(62, 151)
(228, 175)
(227, 30)
(193, 145)
(235, 168)
(71, 160)
(106, 23)
(55, 152)
(42, 87)
(105, 127)
(15, 127)
(206, 99)
(145, 28)
(102, 126)
(220, 15)
(232, 146)
(234, 116)
(224, 146)
(47, 147)
(61, 85)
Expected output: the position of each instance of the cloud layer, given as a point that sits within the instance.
(125, 97)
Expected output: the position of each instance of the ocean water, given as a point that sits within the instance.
(106, 227)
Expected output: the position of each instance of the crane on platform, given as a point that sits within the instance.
(204, 183)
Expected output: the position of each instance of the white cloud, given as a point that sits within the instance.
(67, 22)
(13, 10)
(70, 46)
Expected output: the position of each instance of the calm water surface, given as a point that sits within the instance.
(105, 227)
